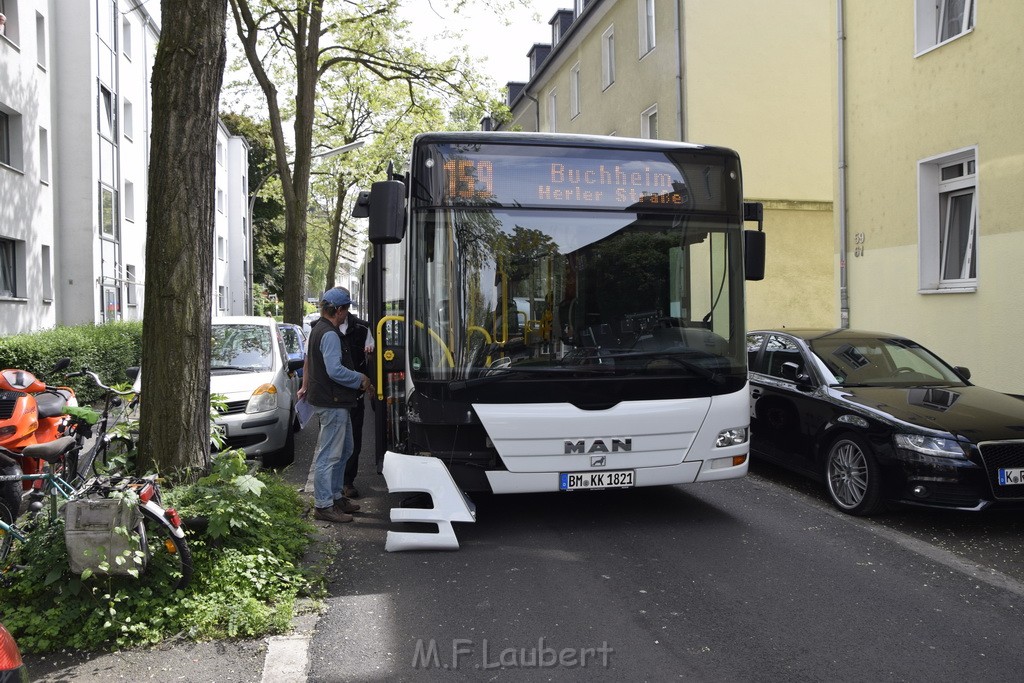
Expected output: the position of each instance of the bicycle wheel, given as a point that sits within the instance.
(169, 561)
(10, 501)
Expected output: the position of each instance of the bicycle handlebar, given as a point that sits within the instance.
(96, 378)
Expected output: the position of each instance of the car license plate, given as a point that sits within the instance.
(1010, 477)
(575, 481)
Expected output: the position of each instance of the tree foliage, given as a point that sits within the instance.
(294, 49)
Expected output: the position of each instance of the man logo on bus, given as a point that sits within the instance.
(599, 446)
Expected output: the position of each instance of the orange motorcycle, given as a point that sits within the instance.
(32, 412)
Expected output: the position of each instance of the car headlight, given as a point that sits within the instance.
(930, 445)
(731, 437)
(263, 399)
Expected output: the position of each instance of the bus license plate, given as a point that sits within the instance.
(1007, 477)
(575, 481)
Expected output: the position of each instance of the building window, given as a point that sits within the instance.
(948, 224)
(222, 298)
(44, 156)
(941, 20)
(111, 303)
(220, 153)
(220, 200)
(645, 20)
(127, 124)
(129, 201)
(106, 10)
(126, 38)
(222, 252)
(10, 138)
(574, 91)
(12, 267)
(130, 286)
(108, 212)
(578, 6)
(47, 264)
(608, 57)
(40, 40)
(649, 123)
(552, 111)
(10, 28)
(106, 113)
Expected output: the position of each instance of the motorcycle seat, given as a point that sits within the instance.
(50, 403)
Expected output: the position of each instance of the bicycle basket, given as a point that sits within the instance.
(95, 535)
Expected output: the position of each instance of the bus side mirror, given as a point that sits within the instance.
(386, 211)
(753, 254)
(362, 205)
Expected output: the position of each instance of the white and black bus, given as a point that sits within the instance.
(562, 312)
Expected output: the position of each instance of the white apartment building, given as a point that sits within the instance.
(74, 150)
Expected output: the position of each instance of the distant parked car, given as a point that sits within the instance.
(250, 366)
(11, 667)
(307, 323)
(880, 419)
(294, 342)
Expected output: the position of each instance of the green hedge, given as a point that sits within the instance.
(108, 350)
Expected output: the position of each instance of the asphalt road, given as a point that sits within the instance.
(753, 580)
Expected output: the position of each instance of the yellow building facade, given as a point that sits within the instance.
(934, 154)
(757, 76)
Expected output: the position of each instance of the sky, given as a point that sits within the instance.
(504, 46)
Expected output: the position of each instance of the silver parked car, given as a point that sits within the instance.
(250, 366)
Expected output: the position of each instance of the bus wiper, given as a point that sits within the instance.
(696, 369)
(494, 376)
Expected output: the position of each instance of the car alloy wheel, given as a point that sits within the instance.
(852, 477)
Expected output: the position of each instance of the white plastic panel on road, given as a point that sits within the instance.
(422, 474)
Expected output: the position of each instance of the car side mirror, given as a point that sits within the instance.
(791, 371)
(963, 372)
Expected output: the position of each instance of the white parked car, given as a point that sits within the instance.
(250, 366)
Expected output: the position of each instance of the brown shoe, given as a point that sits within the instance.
(345, 505)
(350, 491)
(331, 514)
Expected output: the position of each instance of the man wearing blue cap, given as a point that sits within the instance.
(333, 389)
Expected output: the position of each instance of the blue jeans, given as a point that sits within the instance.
(333, 449)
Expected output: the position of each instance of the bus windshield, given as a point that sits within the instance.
(502, 291)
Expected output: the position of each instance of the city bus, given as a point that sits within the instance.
(560, 312)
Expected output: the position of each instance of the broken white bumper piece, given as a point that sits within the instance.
(424, 474)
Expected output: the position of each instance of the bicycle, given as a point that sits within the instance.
(158, 549)
(112, 433)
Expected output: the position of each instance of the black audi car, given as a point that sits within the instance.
(882, 420)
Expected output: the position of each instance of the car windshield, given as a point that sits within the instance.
(241, 347)
(878, 361)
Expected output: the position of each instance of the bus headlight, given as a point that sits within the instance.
(731, 437)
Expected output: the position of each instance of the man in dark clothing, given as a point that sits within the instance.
(359, 343)
(333, 387)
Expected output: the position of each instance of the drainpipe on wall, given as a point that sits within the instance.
(536, 107)
(844, 297)
(680, 89)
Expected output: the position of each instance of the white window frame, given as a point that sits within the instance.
(41, 52)
(608, 57)
(553, 111)
(645, 122)
(574, 91)
(220, 201)
(126, 38)
(12, 268)
(46, 261)
(106, 113)
(646, 23)
(222, 251)
(935, 199)
(129, 201)
(929, 17)
(108, 229)
(44, 156)
(11, 25)
(131, 293)
(578, 7)
(127, 120)
(222, 298)
(11, 150)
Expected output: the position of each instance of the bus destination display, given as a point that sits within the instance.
(649, 180)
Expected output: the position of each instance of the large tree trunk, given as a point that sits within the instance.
(187, 74)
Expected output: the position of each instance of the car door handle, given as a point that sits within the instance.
(755, 392)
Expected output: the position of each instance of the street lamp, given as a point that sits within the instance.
(255, 193)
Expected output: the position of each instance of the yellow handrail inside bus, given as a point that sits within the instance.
(380, 355)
